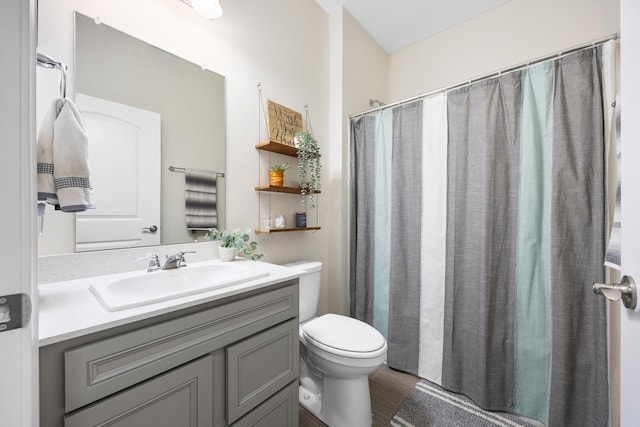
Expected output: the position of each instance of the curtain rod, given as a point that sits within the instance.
(520, 66)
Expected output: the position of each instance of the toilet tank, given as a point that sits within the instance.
(310, 283)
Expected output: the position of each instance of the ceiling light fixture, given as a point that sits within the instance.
(209, 9)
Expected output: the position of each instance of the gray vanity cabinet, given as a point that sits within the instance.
(232, 362)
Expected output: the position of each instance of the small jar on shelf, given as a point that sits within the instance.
(279, 221)
(301, 219)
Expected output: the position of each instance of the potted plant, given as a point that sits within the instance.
(233, 242)
(309, 168)
(276, 174)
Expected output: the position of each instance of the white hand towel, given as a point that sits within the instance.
(71, 161)
(46, 184)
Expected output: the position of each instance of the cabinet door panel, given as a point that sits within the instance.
(181, 397)
(260, 366)
(280, 410)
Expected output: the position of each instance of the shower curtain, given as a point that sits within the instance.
(477, 228)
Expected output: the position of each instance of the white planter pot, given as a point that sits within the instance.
(227, 254)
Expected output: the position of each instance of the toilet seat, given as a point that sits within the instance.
(344, 336)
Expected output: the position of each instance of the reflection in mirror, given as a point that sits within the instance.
(115, 69)
(129, 210)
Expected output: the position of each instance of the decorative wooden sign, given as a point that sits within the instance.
(284, 123)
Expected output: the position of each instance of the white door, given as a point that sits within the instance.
(630, 146)
(18, 347)
(124, 157)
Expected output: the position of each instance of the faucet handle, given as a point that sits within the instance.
(154, 261)
(148, 257)
(181, 260)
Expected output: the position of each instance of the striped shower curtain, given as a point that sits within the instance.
(477, 229)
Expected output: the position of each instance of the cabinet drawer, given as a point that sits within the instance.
(280, 410)
(181, 397)
(260, 366)
(96, 370)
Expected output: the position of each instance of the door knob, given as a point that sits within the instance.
(150, 229)
(625, 290)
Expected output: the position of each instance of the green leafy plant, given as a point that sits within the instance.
(309, 167)
(237, 239)
(283, 167)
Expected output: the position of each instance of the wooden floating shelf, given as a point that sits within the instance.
(276, 189)
(283, 230)
(276, 147)
(289, 190)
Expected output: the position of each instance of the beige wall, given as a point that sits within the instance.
(358, 72)
(512, 34)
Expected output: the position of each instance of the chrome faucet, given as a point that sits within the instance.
(176, 260)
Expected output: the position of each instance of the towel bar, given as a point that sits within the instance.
(177, 169)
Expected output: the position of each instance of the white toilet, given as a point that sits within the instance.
(337, 353)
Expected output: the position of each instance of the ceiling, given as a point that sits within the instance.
(399, 23)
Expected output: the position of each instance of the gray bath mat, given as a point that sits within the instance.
(431, 406)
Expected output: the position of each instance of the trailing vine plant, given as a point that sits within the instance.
(309, 168)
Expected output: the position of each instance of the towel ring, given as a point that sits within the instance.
(47, 62)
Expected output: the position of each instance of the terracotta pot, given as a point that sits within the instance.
(276, 178)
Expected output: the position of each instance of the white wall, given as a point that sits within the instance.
(512, 34)
(283, 44)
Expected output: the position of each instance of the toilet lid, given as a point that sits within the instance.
(344, 333)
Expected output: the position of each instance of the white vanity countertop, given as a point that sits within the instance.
(69, 309)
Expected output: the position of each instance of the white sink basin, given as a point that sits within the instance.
(146, 288)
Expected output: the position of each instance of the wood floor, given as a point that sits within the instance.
(389, 390)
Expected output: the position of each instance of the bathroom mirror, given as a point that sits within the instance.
(190, 101)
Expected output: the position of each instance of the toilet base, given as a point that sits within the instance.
(310, 401)
(343, 403)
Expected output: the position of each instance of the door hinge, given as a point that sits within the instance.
(15, 311)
